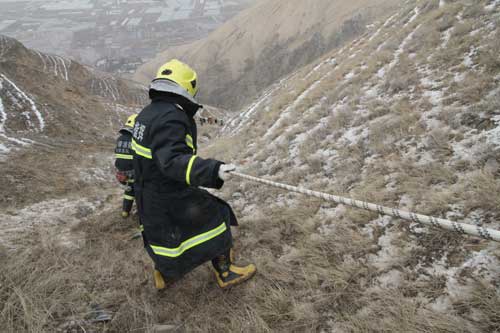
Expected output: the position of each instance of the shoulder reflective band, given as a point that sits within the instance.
(188, 170)
(141, 150)
(128, 197)
(189, 141)
(190, 243)
(124, 156)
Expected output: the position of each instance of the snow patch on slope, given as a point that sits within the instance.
(24, 96)
(3, 114)
(397, 53)
(492, 5)
(413, 18)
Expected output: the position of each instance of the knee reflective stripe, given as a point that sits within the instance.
(188, 244)
(124, 156)
(128, 197)
(130, 181)
(188, 170)
(141, 228)
(141, 150)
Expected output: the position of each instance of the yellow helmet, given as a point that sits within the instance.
(131, 121)
(180, 73)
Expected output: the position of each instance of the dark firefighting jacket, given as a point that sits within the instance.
(123, 151)
(183, 225)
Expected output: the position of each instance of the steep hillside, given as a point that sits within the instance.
(52, 109)
(268, 41)
(407, 115)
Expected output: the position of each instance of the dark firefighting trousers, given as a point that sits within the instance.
(128, 196)
(184, 229)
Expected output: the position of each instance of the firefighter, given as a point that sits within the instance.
(124, 165)
(183, 225)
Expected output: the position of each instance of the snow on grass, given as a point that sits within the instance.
(468, 62)
(349, 76)
(29, 100)
(397, 54)
(427, 78)
(493, 135)
(492, 6)
(65, 68)
(54, 62)
(446, 38)
(480, 265)
(329, 61)
(391, 279)
(354, 135)
(61, 212)
(3, 114)
(4, 149)
(20, 141)
(286, 113)
(413, 18)
(477, 145)
(389, 20)
(42, 57)
(381, 73)
(238, 121)
(98, 174)
(302, 137)
(402, 47)
(442, 3)
(392, 249)
(459, 77)
(434, 96)
(384, 25)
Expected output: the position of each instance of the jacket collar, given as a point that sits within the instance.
(169, 91)
(125, 130)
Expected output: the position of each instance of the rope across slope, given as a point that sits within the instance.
(462, 228)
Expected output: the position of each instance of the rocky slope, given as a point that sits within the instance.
(268, 41)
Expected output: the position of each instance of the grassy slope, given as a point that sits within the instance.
(320, 266)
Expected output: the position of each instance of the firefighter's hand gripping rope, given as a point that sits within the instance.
(462, 228)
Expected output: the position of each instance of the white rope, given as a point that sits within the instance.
(462, 228)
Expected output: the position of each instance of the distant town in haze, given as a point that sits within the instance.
(113, 35)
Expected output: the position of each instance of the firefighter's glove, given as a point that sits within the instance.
(225, 171)
(122, 177)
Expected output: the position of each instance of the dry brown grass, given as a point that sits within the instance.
(473, 88)
(488, 56)
(415, 317)
(309, 279)
(477, 190)
(486, 298)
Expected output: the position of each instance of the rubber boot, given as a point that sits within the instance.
(160, 283)
(229, 275)
(127, 207)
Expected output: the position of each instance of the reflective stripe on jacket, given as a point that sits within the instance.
(123, 152)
